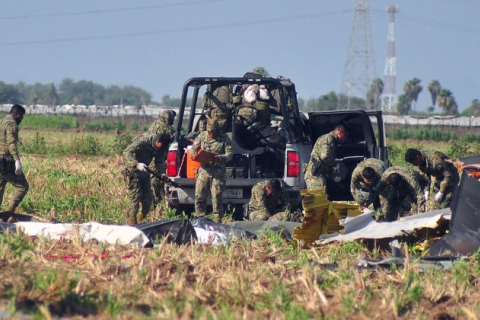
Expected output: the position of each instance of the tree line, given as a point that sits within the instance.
(81, 92)
(85, 92)
(407, 101)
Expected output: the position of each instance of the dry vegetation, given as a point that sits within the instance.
(268, 277)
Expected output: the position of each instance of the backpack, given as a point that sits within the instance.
(247, 115)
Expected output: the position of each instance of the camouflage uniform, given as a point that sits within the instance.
(445, 176)
(360, 190)
(160, 126)
(8, 156)
(142, 150)
(211, 175)
(409, 198)
(323, 152)
(268, 207)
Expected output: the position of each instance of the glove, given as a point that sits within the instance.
(438, 196)
(18, 167)
(141, 167)
(426, 194)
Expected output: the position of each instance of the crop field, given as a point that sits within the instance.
(265, 278)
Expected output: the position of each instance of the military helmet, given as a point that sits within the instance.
(168, 116)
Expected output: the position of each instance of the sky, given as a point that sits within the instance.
(159, 44)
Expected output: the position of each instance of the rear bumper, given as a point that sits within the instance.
(184, 194)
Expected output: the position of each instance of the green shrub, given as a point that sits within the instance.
(120, 142)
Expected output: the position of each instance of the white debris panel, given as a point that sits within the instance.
(87, 231)
(364, 226)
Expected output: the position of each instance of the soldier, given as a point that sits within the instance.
(365, 178)
(212, 174)
(401, 190)
(10, 165)
(136, 157)
(269, 201)
(162, 125)
(445, 175)
(322, 160)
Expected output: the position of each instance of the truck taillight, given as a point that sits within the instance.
(293, 164)
(172, 164)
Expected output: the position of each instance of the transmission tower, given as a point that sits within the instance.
(359, 70)
(389, 97)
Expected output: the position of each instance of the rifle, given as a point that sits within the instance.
(162, 177)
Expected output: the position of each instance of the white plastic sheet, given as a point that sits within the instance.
(87, 231)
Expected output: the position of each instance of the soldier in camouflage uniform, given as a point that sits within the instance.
(443, 175)
(211, 176)
(365, 178)
(269, 201)
(322, 159)
(402, 190)
(163, 125)
(10, 165)
(136, 157)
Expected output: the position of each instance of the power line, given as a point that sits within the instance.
(175, 31)
(464, 2)
(102, 11)
(434, 23)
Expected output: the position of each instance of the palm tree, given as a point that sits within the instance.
(412, 89)
(53, 97)
(434, 88)
(374, 93)
(446, 102)
(403, 104)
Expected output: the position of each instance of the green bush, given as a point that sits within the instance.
(134, 126)
(121, 142)
(88, 145)
(35, 121)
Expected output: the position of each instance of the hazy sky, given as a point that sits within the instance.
(158, 44)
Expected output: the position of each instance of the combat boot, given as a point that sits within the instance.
(131, 221)
(141, 217)
(11, 208)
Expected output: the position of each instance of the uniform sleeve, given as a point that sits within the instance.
(130, 155)
(447, 176)
(355, 178)
(11, 136)
(227, 156)
(324, 151)
(257, 202)
(197, 143)
(420, 198)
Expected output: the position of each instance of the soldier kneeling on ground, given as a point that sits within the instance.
(270, 201)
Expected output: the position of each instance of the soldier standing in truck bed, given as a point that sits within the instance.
(211, 176)
(442, 173)
(136, 158)
(10, 165)
(322, 160)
